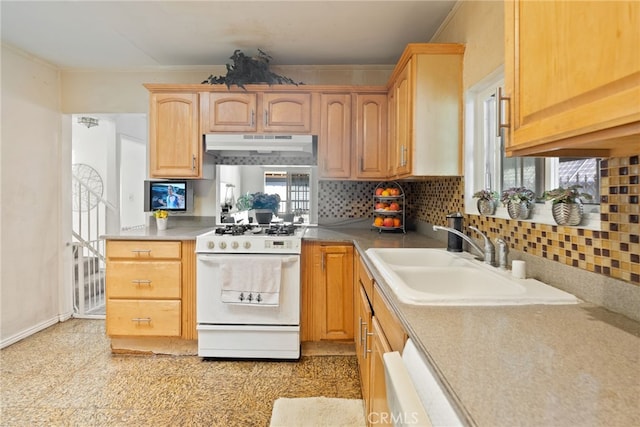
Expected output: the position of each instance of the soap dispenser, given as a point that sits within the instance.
(454, 242)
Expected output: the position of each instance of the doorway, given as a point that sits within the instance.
(108, 158)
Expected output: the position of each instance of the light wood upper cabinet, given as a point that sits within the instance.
(426, 91)
(401, 143)
(370, 136)
(286, 112)
(353, 136)
(334, 145)
(572, 73)
(175, 143)
(229, 112)
(256, 112)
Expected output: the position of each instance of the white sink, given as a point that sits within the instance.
(425, 276)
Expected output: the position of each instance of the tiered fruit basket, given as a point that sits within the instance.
(389, 207)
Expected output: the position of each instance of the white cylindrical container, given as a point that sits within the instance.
(161, 223)
(519, 269)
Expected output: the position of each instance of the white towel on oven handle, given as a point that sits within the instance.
(251, 280)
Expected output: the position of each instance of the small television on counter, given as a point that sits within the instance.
(175, 195)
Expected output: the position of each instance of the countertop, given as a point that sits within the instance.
(543, 365)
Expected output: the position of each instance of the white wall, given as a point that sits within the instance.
(480, 26)
(31, 215)
(123, 91)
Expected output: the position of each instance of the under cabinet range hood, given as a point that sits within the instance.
(236, 144)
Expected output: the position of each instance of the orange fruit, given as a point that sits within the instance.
(397, 222)
(378, 221)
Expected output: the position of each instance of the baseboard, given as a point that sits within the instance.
(28, 332)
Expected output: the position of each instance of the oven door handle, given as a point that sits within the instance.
(215, 259)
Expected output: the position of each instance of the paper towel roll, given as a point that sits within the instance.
(519, 269)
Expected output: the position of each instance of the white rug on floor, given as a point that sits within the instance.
(317, 411)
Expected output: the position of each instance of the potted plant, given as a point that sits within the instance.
(487, 200)
(162, 217)
(567, 204)
(264, 205)
(519, 202)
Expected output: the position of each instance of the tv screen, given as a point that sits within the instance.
(168, 195)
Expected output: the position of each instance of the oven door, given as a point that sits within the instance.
(211, 309)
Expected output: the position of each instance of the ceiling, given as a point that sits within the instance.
(152, 34)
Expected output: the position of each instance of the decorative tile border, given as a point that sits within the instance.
(614, 251)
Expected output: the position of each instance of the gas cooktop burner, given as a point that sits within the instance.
(233, 229)
(271, 229)
(281, 229)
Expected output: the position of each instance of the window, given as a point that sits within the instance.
(487, 167)
(293, 189)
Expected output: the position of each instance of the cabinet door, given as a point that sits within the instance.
(229, 112)
(333, 292)
(377, 388)
(572, 71)
(286, 112)
(371, 136)
(403, 122)
(363, 326)
(175, 147)
(334, 150)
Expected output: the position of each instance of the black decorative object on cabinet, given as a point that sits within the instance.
(389, 207)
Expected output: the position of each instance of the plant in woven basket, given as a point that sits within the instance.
(567, 204)
(487, 201)
(519, 202)
(247, 70)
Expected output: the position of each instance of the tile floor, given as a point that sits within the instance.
(67, 376)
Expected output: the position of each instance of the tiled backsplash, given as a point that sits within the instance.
(613, 251)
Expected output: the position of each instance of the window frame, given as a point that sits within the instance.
(474, 164)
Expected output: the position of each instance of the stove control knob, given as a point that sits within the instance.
(247, 245)
(234, 245)
(223, 245)
(211, 245)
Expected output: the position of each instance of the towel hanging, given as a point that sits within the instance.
(251, 280)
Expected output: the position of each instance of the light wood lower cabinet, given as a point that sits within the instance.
(327, 291)
(363, 323)
(150, 289)
(378, 331)
(378, 406)
(143, 317)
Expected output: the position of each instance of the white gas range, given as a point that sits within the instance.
(248, 292)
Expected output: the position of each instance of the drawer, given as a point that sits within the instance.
(143, 249)
(365, 278)
(143, 318)
(390, 325)
(138, 280)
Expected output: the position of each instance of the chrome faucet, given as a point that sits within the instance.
(503, 251)
(488, 253)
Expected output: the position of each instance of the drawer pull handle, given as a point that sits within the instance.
(141, 282)
(139, 320)
(367, 334)
(140, 251)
